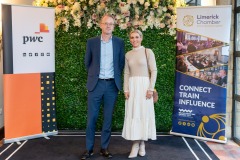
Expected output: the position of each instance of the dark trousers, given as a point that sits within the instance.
(106, 92)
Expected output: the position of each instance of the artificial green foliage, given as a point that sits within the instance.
(71, 76)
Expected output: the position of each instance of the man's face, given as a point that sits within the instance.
(222, 73)
(107, 25)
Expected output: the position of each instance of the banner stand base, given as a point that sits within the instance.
(197, 137)
(12, 140)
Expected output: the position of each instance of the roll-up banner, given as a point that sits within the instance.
(28, 72)
(203, 35)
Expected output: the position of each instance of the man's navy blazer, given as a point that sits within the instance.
(92, 61)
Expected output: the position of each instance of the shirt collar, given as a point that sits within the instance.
(107, 41)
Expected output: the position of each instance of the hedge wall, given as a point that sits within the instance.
(71, 101)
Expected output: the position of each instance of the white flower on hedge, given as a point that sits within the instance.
(146, 5)
(70, 1)
(136, 16)
(65, 22)
(144, 27)
(155, 4)
(57, 22)
(106, 9)
(99, 9)
(102, 5)
(121, 4)
(76, 6)
(150, 22)
(66, 8)
(118, 17)
(126, 14)
(45, 5)
(168, 15)
(58, 9)
(180, 3)
(164, 9)
(124, 7)
(123, 26)
(159, 10)
(134, 1)
(135, 23)
(168, 22)
(174, 21)
(141, 1)
(141, 22)
(77, 22)
(129, 1)
(170, 7)
(85, 8)
(89, 24)
(151, 13)
(38, 2)
(136, 9)
(162, 25)
(157, 22)
(172, 31)
(91, 2)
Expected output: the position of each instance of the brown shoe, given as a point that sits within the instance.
(105, 153)
(87, 154)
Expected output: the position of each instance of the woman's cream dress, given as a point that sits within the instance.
(139, 121)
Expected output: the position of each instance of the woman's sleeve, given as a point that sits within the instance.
(153, 69)
(126, 76)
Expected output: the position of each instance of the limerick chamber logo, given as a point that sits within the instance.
(43, 28)
(188, 20)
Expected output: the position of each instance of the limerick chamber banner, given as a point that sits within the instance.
(28, 72)
(203, 35)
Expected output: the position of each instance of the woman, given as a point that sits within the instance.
(139, 121)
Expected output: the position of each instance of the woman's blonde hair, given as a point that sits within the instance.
(136, 31)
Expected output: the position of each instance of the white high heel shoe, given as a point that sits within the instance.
(142, 151)
(135, 149)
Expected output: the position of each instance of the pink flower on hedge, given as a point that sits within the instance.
(94, 16)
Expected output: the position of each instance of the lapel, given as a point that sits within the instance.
(98, 47)
(114, 43)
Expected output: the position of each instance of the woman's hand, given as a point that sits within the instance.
(126, 95)
(149, 94)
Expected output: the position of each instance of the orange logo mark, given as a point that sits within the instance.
(43, 28)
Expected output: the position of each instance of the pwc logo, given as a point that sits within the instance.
(42, 29)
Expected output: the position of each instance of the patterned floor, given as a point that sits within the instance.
(228, 151)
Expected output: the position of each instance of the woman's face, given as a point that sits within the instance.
(135, 40)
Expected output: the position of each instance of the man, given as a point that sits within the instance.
(222, 78)
(104, 61)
